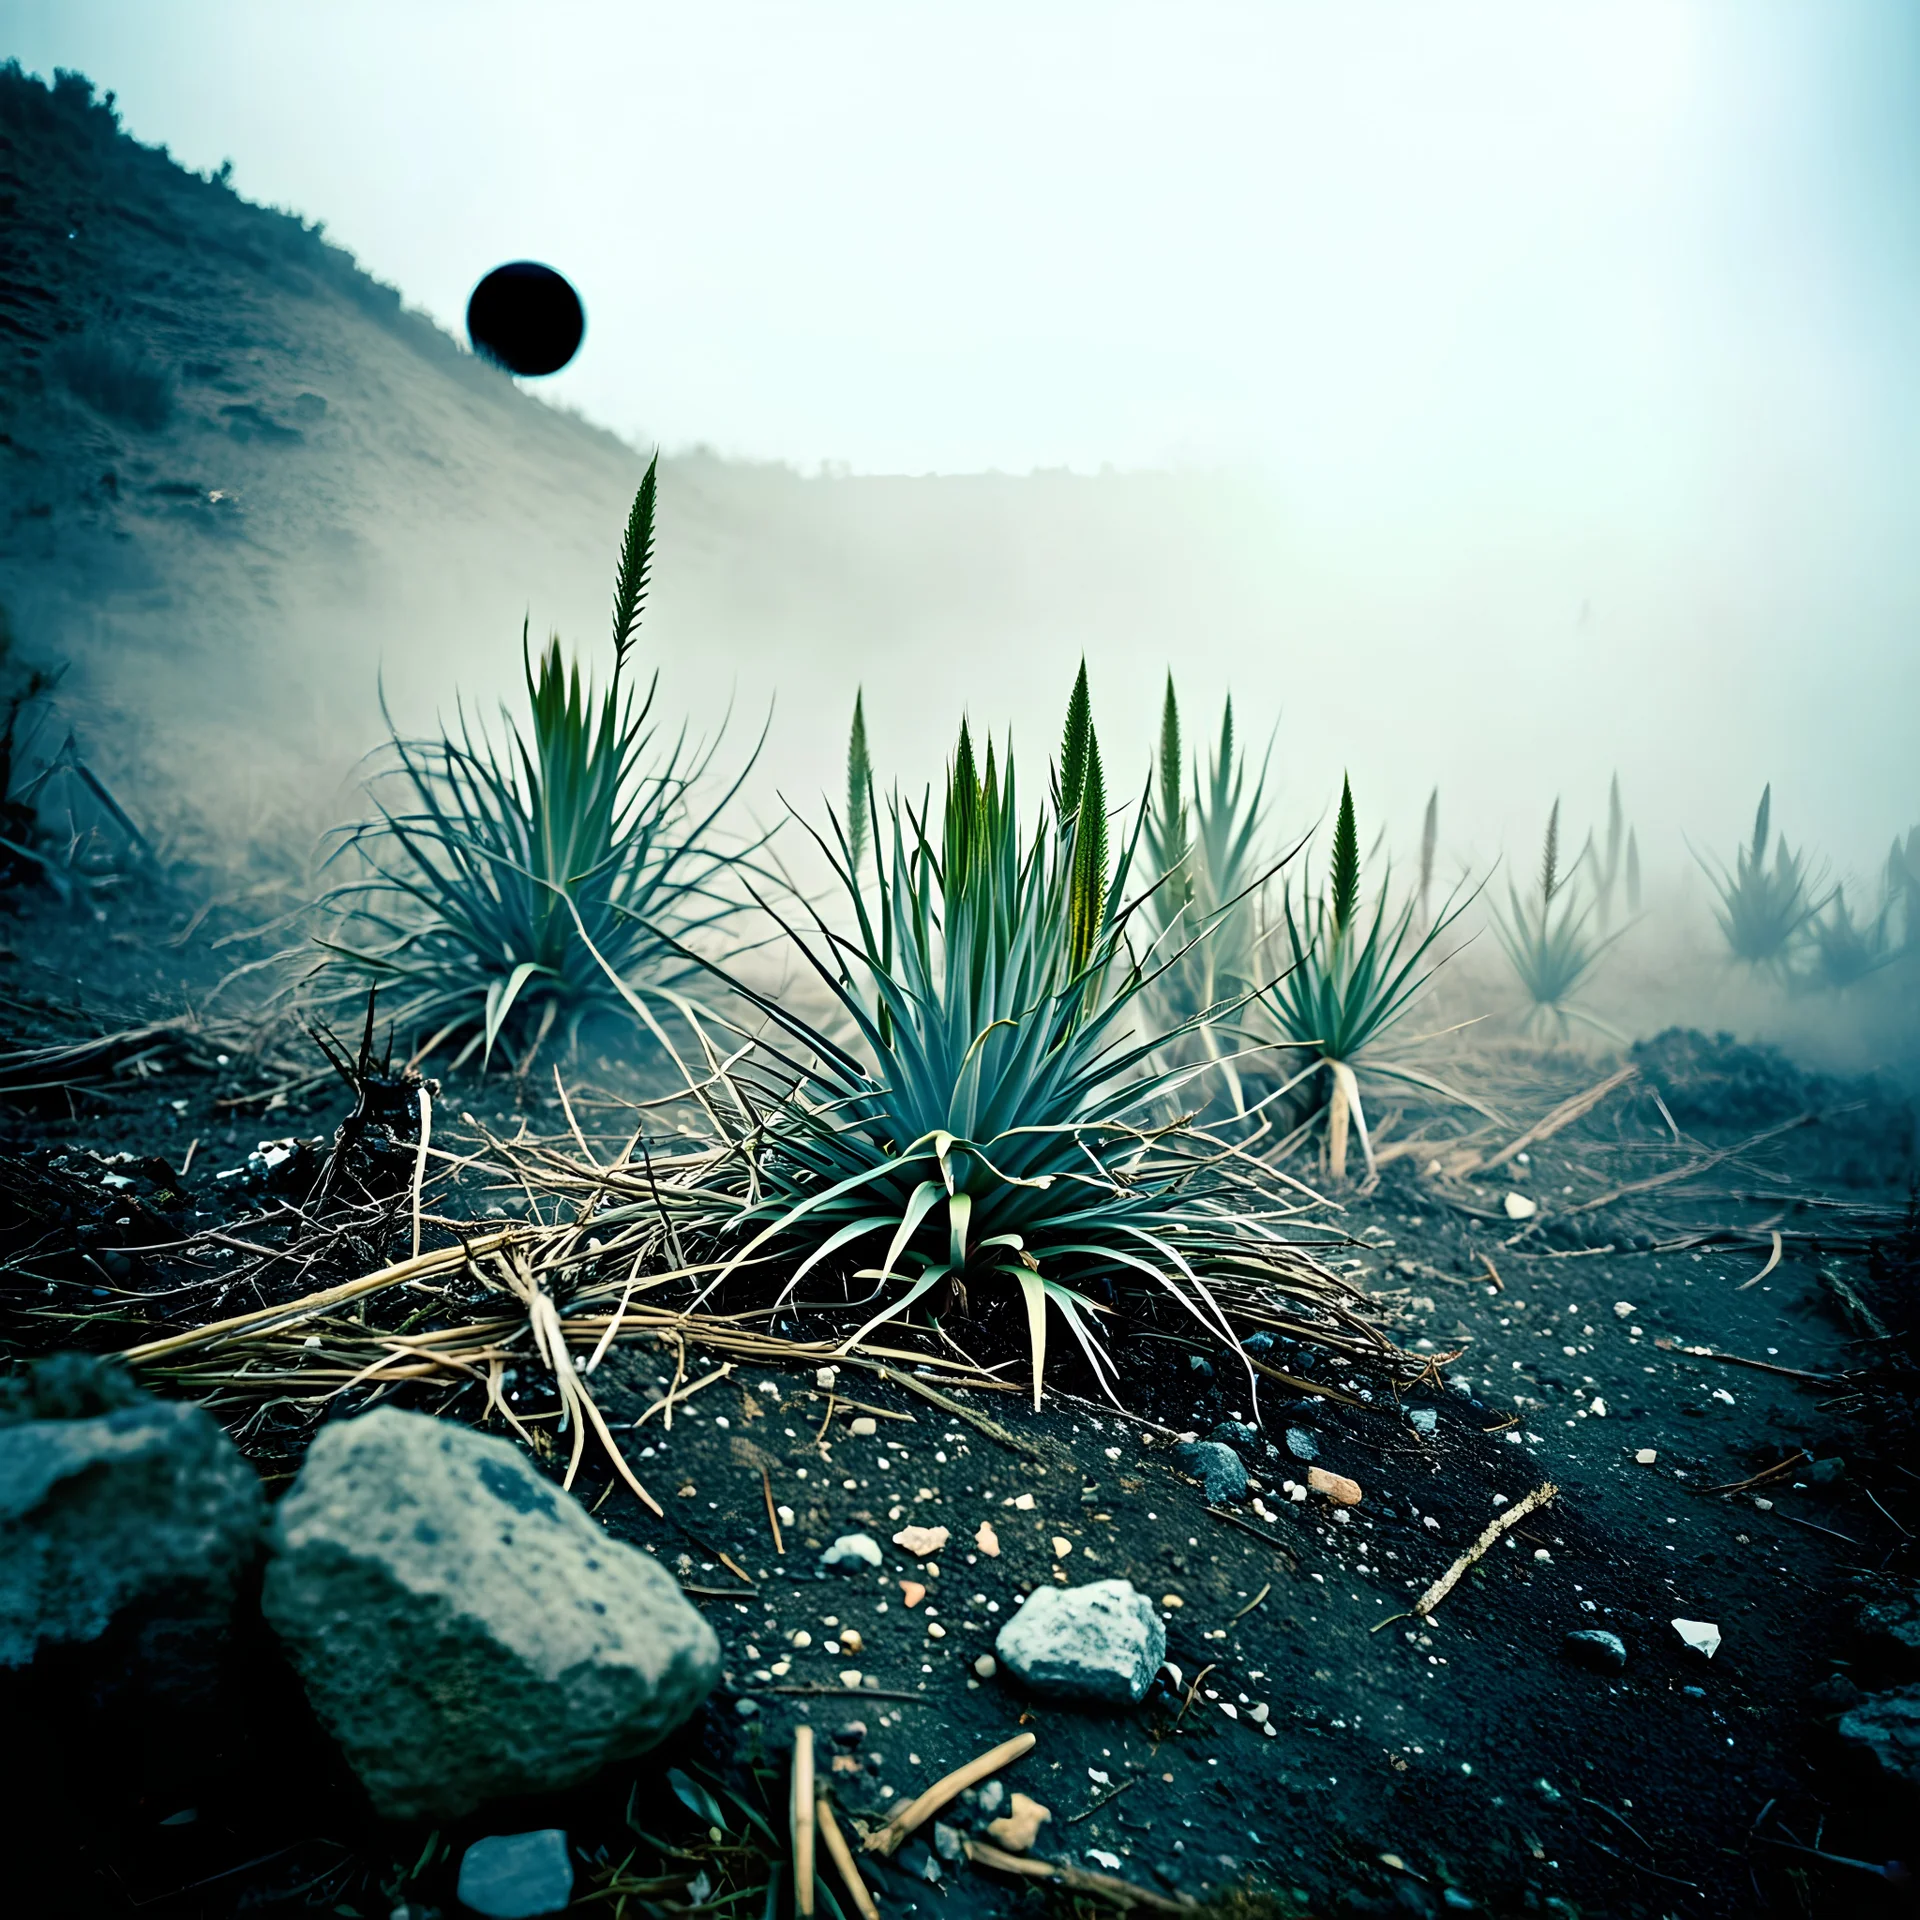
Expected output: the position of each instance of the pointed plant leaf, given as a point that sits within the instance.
(1035, 1295)
(636, 564)
(1344, 881)
(500, 998)
(1073, 745)
(696, 1799)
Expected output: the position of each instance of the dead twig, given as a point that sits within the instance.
(842, 1857)
(773, 1517)
(1498, 1525)
(1123, 1893)
(420, 1163)
(1695, 1167)
(679, 1396)
(1564, 1115)
(814, 1689)
(1759, 1479)
(1254, 1602)
(884, 1840)
(1759, 1366)
(265, 1319)
(1247, 1526)
(800, 1819)
(1193, 1692)
(1816, 1527)
(1773, 1260)
(1106, 1799)
(979, 1421)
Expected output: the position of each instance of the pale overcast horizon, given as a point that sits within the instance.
(1565, 353)
(1365, 249)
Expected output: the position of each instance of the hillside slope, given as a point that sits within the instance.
(226, 449)
(243, 484)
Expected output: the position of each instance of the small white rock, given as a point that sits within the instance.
(1519, 1207)
(986, 1666)
(1701, 1635)
(1624, 1309)
(825, 1378)
(1646, 1457)
(863, 1428)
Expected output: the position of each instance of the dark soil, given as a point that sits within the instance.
(1462, 1763)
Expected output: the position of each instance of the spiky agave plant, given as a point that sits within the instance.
(1845, 950)
(1350, 980)
(859, 787)
(1765, 912)
(1429, 847)
(1205, 854)
(1604, 862)
(499, 866)
(1902, 884)
(996, 1119)
(1546, 936)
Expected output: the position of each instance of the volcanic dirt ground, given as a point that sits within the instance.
(1313, 1745)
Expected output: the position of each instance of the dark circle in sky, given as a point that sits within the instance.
(526, 318)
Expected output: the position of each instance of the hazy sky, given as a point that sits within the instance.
(1396, 247)
(1573, 346)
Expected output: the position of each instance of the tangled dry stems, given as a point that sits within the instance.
(623, 1248)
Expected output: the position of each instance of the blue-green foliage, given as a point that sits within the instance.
(996, 1116)
(503, 879)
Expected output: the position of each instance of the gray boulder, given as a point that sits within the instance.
(1220, 1471)
(143, 1512)
(1100, 1643)
(463, 1628)
(1886, 1728)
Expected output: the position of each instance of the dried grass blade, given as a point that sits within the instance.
(1512, 1516)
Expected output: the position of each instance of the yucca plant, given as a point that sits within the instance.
(503, 878)
(1546, 935)
(1204, 848)
(1846, 951)
(859, 788)
(1350, 978)
(1605, 862)
(997, 1117)
(1903, 886)
(1429, 847)
(1765, 912)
